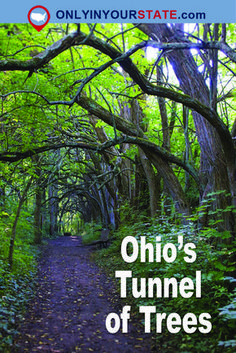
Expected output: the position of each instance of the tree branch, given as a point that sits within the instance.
(42, 58)
(16, 156)
(142, 142)
(127, 64)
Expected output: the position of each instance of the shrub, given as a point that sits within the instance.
(212, 260)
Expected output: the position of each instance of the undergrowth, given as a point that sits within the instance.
(214, 260)
(91, 232)
(16, 285)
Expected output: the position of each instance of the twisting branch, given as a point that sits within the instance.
(122, 124)
(149, 88)
(142, 142)
(127, 64)
(16, 156)
(27, 47)
(42, 58)
(3, 96)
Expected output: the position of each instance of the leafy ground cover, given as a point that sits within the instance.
(15, 291)
(16, 284)
(217, 283)
(72, 296)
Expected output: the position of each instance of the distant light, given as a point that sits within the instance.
(189, 27)
(151, 53)
(194, 51)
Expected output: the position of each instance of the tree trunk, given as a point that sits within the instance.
(53, 209)
(13, 233)
(217, 172)
(163, 167)
(38, 217)
(38, 202)
(153, 184)
(171, 182)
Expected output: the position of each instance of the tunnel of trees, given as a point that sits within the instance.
(100, 123)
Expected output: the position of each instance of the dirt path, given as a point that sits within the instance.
(72, 301)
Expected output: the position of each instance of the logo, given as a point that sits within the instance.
(38, 17)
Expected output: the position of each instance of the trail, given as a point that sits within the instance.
(73, 298)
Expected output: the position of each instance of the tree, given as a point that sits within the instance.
(83, 91)
(13, 232)
(217, 166)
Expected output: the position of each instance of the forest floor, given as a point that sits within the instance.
(73, 298)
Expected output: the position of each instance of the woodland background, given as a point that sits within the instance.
(130, 127)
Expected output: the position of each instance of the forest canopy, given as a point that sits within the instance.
(129, 127)
(105, 113)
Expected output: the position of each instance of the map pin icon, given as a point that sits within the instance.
(38, 17)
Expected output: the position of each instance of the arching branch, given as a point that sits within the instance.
(127, 64)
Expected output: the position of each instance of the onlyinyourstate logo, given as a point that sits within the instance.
(38, 17)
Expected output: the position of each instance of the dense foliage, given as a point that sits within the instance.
(218, 290)
(17, 284)
(103, 123)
